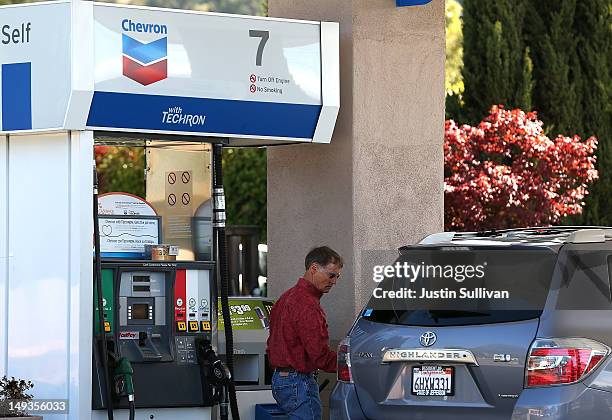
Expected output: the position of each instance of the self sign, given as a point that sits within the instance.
(16, 35)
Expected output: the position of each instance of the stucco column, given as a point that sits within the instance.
(379, 184)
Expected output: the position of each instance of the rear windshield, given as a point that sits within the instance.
(426, 318)
(585, 273)
(460, 286)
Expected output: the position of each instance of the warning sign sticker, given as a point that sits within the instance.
(125, 236)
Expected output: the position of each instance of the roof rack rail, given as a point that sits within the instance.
(436, 238)
(589, 235)
(564, 234)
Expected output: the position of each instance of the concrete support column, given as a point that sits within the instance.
(379, 185)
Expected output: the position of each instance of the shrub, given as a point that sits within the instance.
(13, 390)
(506, 173)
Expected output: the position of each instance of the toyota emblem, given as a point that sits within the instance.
(428, 339)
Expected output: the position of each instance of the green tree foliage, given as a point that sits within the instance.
(593, 29)
(551, 56)
(245, 181)
(497, 64)
(121, 169)
(454, 58)
(572, 45)
(556, 68)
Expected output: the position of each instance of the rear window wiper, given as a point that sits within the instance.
(457, 314)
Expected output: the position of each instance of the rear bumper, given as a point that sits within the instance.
(570, 402)
(343, 403)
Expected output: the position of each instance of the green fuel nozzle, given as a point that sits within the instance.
(124, 386)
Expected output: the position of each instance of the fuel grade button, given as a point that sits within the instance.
(182, 357)
(190, 343)
(194, 326)
(181, 326)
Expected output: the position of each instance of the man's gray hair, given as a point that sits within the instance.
(323, 255)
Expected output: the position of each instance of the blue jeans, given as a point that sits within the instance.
(297, 394)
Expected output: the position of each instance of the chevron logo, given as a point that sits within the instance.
(145, 63)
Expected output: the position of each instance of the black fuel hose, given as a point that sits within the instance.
(323, 385)
(132, 408)
(219, 225)
(98, 284)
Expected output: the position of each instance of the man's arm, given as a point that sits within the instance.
(315, 339)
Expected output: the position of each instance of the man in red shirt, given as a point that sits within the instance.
(299, 342)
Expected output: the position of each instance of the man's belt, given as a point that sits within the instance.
(284, 369)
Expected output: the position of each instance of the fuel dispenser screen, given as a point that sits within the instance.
(140, 311)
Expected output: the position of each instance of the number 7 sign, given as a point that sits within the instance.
(264, 35)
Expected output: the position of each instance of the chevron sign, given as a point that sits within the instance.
(145, 63)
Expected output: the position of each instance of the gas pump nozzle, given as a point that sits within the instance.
(124, 385)
(217, 374)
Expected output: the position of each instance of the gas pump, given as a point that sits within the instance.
(151, 321)
(157, 318)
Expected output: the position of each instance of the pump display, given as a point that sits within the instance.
(115, 333)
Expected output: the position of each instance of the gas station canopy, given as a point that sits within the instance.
(113, 68)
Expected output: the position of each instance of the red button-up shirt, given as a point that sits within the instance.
(298, 331)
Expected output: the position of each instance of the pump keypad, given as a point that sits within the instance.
(185, 349)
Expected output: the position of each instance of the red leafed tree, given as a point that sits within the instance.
(507, 173)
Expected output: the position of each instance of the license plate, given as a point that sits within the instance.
(430, 381)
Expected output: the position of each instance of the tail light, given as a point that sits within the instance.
(559, 361)
(344, 361)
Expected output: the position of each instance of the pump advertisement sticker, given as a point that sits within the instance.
(34, 66)
(172, 71)
(247, 314)
(126, 237)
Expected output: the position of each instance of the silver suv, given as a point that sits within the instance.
(547, 362)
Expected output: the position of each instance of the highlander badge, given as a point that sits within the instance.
(429, 355)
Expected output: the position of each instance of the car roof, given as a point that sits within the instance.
(553, 237)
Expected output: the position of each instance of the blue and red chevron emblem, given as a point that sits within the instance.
(145, 63)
